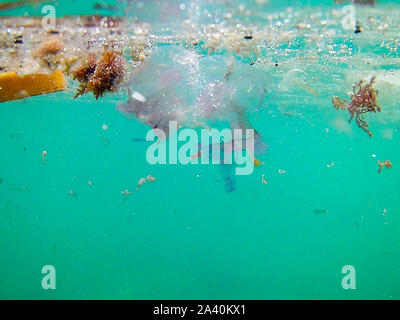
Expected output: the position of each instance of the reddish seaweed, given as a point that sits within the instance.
(363, 100)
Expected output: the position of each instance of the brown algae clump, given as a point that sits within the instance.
(101, 75)
(84, 72)
(387, 164)
(363, 100)
(47, 52)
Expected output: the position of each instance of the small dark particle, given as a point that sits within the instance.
(1, 68)
(358, 29)
(104, 6)
(248, 37)
(251, 63)
(319, 211)
(52, 31)
(18, 39)
(276, 64)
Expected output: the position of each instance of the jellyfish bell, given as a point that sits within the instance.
(176, 84)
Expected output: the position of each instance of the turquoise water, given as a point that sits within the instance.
(183, 236)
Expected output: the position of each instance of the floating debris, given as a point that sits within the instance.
(13, 86)
(141, 182)
(303, 85)
(319, 211)
(330, 165)
(104, 6)
(281, 171)
(101, 75)
(257, 162)
(363, 100)
(19, 39)
(46, 53)
(387, 164)
(126, 193)
(263, 181)
(138, 96)
(150, 178)
(84, 72)
(44, 154)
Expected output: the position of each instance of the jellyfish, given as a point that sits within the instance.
(178, 84)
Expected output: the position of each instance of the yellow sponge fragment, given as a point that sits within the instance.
(13, 86)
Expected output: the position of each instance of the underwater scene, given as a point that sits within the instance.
(200, 149)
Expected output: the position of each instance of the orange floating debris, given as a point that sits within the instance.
(257, 162)
(13, 86)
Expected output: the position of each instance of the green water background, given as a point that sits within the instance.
(183, 236)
